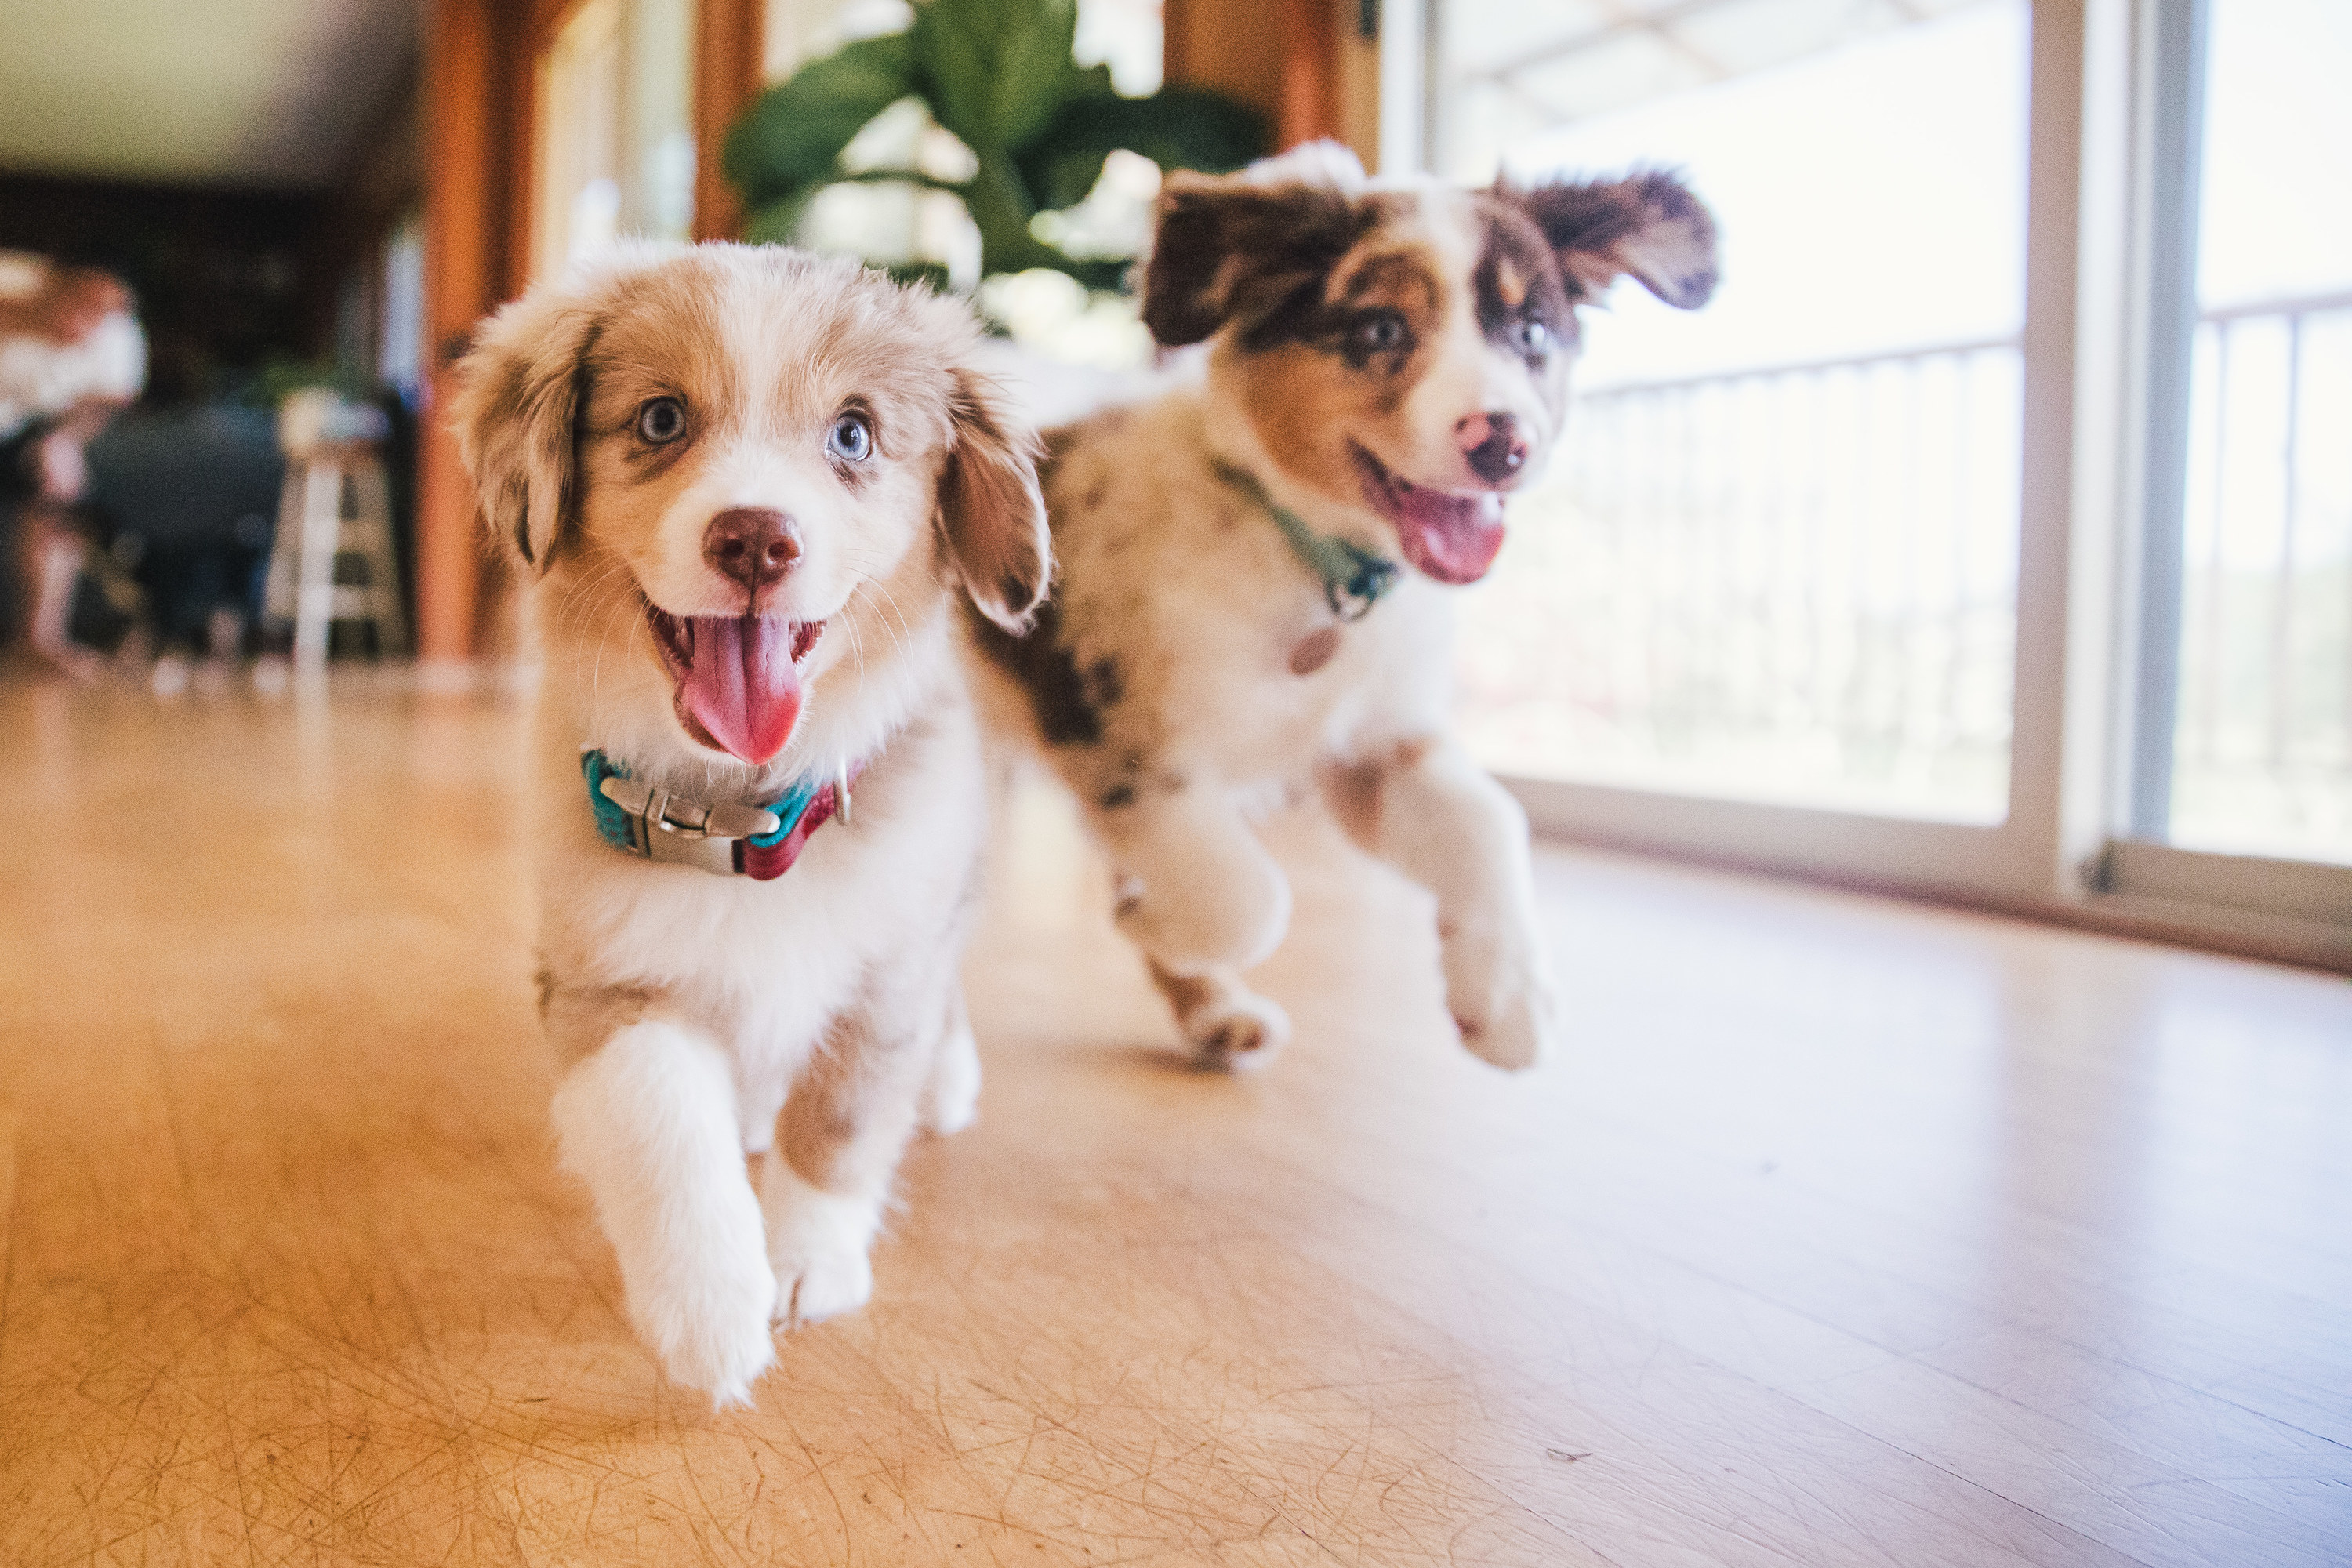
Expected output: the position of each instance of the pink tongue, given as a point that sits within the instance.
(742, 687)
(1451, 538)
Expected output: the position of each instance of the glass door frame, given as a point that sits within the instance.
(2114, 120)
(2294, 908)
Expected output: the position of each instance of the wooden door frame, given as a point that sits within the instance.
(1307, 64)
(729, 42)
(478, 106)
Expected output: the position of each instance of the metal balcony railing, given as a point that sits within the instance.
(1794, 582)
(2262, 750)
(1799, 582)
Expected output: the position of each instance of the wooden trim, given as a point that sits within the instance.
(527, 79)
(1298, 62)
(728, 47)
(477, 161)
(461, 245)
(1233, 46)
(1309, 106)
(1355, 77)
(547, 19)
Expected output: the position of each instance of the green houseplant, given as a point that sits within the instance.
(1000, 75)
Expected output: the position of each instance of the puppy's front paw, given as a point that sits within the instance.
(1501, 1001)
(817, 1245)
(708, 1326)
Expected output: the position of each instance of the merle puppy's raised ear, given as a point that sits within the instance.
(1248, 247)
(1648, 224)
(518, 404)
(992, 515)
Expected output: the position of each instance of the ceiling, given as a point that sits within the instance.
(1567, 60)
(263, 93)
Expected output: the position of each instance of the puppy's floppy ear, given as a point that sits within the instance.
(516, 415)
(1647, 224)
(990, 513)
(1243, 247)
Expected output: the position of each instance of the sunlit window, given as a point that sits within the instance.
(2262, 750)
(616, 130)
(1776, 557)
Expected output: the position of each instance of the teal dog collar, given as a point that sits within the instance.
(1354, 578)
(758, 842)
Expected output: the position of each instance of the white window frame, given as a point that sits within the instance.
(2114, 122)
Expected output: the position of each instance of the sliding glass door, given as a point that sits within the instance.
(1765, 604)
(1777, 558)
(2239, 761)
(1991, 531)
(2252, 661)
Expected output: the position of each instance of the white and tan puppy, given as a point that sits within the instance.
(745, 485)
(1252, 603)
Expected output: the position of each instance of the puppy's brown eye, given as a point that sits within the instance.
(852, 439)
(661, 420)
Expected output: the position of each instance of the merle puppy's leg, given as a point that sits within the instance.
(1229, 1024)
(1428, 809)
(1197, 890)
(645, 1116)
(844, 1125)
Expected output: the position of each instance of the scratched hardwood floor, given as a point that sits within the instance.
(1848, 1232)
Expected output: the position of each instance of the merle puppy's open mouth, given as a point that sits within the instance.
(1449, 536)
(739, 676)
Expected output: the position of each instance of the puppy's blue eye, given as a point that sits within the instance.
(661, 420)
(1381, 332)
(852, 439)
(1535, 338)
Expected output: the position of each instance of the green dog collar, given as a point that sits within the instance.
(1354, 578)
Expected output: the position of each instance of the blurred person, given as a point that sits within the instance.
(184, 494)
(71, 357)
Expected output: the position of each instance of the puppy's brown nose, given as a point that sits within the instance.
(753, 545)
(1492, 446)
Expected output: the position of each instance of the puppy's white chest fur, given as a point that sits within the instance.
(763, 967)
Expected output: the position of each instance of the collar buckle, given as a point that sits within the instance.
(656, 811)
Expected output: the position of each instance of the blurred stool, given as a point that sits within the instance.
(335, 504)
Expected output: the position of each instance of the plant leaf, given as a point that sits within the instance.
(1087, 81)
(791, 137)
(1000, 209)
(1176, 128)
(999, 69)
